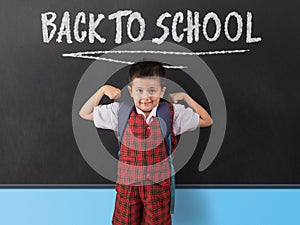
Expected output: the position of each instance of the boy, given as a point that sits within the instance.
(144, 195)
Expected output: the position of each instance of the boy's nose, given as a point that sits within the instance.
(145, 95)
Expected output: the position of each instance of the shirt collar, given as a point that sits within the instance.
(152, 113)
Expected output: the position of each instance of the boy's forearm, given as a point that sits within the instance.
(205, 118)
(86, 111)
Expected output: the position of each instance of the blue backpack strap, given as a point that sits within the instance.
(123, 116)
(163, 113)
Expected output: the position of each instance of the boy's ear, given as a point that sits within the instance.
(130, 90)
(163, 92)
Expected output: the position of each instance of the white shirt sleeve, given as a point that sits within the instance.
(106, 116)
(185, 119)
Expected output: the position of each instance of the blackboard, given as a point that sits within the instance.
(259, 85)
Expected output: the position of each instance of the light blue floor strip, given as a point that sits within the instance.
(193, 206)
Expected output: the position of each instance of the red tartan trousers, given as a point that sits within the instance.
(143, 185)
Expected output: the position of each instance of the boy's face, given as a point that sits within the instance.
(146, 93)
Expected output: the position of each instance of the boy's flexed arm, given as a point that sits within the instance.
(86, 112)
(205, 119)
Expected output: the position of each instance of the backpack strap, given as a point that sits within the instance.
(123, 116)
(163, 113)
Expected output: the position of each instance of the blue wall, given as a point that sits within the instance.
(193, 206)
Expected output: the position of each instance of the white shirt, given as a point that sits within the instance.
(185, 119)
(150, 116)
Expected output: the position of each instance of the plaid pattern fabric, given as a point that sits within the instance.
(146, 205)
(143, 154)
(143, 158)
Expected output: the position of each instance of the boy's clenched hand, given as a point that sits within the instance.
(204, 118)
(86, 111)
(111, 91)
(178, 96)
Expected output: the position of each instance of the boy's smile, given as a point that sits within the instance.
(146, 93)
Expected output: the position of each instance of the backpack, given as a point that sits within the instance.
(163, 113)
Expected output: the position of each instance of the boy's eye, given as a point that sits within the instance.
(152, 91)
(139, 91)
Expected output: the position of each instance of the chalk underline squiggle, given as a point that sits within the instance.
(87, 55)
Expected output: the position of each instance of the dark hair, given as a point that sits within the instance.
(145, 69)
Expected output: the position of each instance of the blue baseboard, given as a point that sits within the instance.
(193, 206)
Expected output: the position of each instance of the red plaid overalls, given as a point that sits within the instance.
(143, 185)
